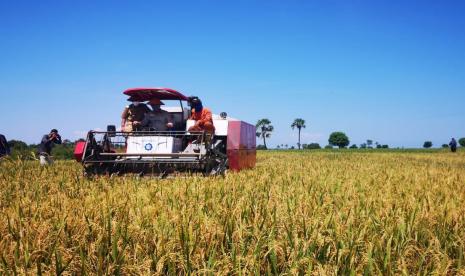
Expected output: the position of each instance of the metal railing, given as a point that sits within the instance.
(110, 146)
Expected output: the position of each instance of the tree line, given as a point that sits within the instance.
(339, 139)
(264, 129)
(20, 149)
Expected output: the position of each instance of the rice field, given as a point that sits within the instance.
(309, 213)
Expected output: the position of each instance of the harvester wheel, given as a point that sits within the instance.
(217, 166)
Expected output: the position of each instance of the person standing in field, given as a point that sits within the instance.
(4, 147)
(46, 145)
(453, 145)
(132, 116)
(202, 116)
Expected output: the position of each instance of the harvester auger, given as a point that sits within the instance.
(162, 153)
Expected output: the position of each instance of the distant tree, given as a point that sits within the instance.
(427, 144)
(64, 151)
(20, 149)
(354, 146)
(264, 129)
(378, 146)
(67, 142)
(369, 143)
(278, 147)
(292, 147)
(339, 139)
(286, 145)
(385, 146)
(363, 146)
(445, 145)
(17, 144)
(312, 146)
(328, 147)
(299, 124)
(261, 147)
(462, 142)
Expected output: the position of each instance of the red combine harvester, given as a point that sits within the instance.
(150, 151)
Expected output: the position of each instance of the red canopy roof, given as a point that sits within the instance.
(146, 94)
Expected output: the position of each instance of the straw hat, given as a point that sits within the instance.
(156, 101)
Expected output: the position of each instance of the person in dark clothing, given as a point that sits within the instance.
(46, 146)
(4, 147)
(158, 119)
(453, 145)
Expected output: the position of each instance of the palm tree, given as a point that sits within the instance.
(264, 129)
(299, 124)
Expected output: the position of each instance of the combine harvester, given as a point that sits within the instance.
(164, 152)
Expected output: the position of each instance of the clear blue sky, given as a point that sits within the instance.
(390, 71)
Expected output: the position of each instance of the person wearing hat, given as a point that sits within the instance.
(133, 115)
(46, 145)
(157, 119)
(202, 116)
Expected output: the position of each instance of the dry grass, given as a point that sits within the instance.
(308, 213)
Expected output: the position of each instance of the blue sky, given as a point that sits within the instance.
(390, 71)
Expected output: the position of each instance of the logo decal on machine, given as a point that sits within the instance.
(148, 146)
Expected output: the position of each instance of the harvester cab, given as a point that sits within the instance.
(148, 150)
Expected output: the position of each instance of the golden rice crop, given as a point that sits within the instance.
(296, 213)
